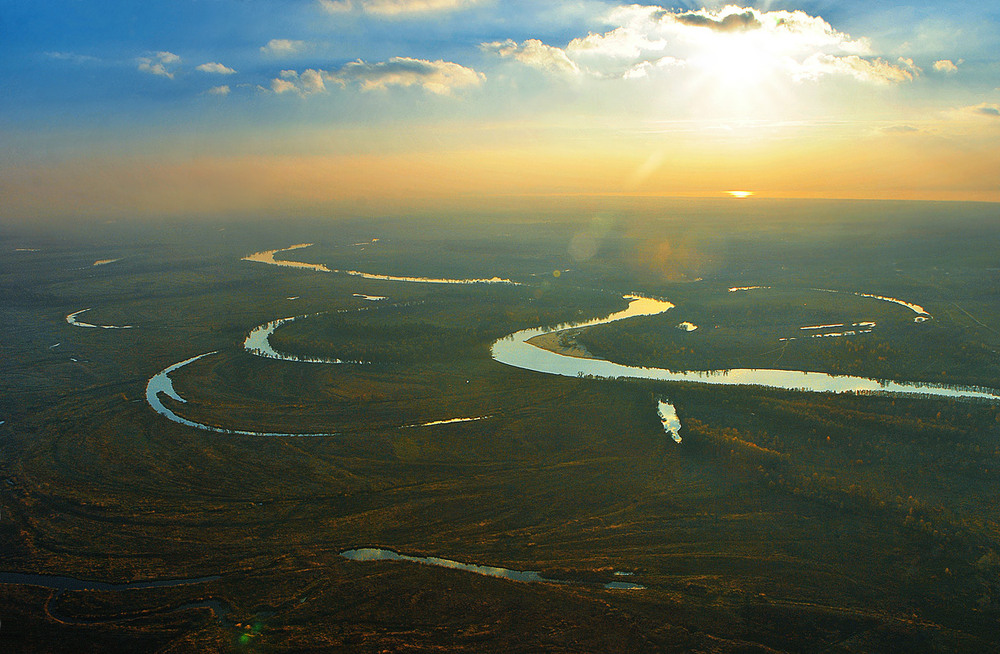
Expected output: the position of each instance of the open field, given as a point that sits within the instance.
(785, 521)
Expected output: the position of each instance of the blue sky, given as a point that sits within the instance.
(231, 78)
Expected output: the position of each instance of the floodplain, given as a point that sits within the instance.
(379, 420)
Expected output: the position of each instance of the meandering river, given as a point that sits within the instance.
(516, 350)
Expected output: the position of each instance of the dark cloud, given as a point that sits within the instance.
(728, 23)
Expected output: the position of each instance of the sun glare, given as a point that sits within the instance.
(737, 60)
(741, 74)
(740, 194)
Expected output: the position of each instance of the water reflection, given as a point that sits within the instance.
(267, 257)
(161, 384)
(427, 280)
(258, 343)
(72, 583)
(668, 416)
(71, 319)
(515, 350)
(379, 554)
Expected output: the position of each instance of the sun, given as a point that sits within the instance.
(738, 61)
(743, 73)
(740, 194)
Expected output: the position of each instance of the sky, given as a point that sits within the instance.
(120, 108)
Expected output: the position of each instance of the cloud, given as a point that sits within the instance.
(900, 129)
(71, 56)
(620, 42)
(336, 6)
(722, 23)
(216, 68)
(158, 64)
(439, 77)
(726, 43)
(283, 47)
(279, 85)
(309, 82)
(877, 71)
(945, 66)
(646, 68)
(396, 7)
(986, 109)
(219, 90)
(534, 53)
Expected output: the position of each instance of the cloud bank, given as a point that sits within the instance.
(534, 53)
(644, 40)
(438, 77)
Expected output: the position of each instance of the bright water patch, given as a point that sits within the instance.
(379, 554)
(71, 319)
(258, 343)
(449, 421)
(687, 326)
(668, 416)
(72, 583)
(515, 350)
(427, 280)
(922, 315)
(267, 257)
(161, 384)
(623, 585)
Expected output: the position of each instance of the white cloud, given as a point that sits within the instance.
(620, 42)
(646, 68)
(945, 66)
(396, 7)
(160, 63)
(279, 85)
(534, 53)
(219, 90)
(440, 77)
(283, 47)
(216, 68)
(71, 56)
(728, 43)
(877, 71)
(309, 82)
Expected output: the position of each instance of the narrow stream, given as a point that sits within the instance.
(379, 554)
